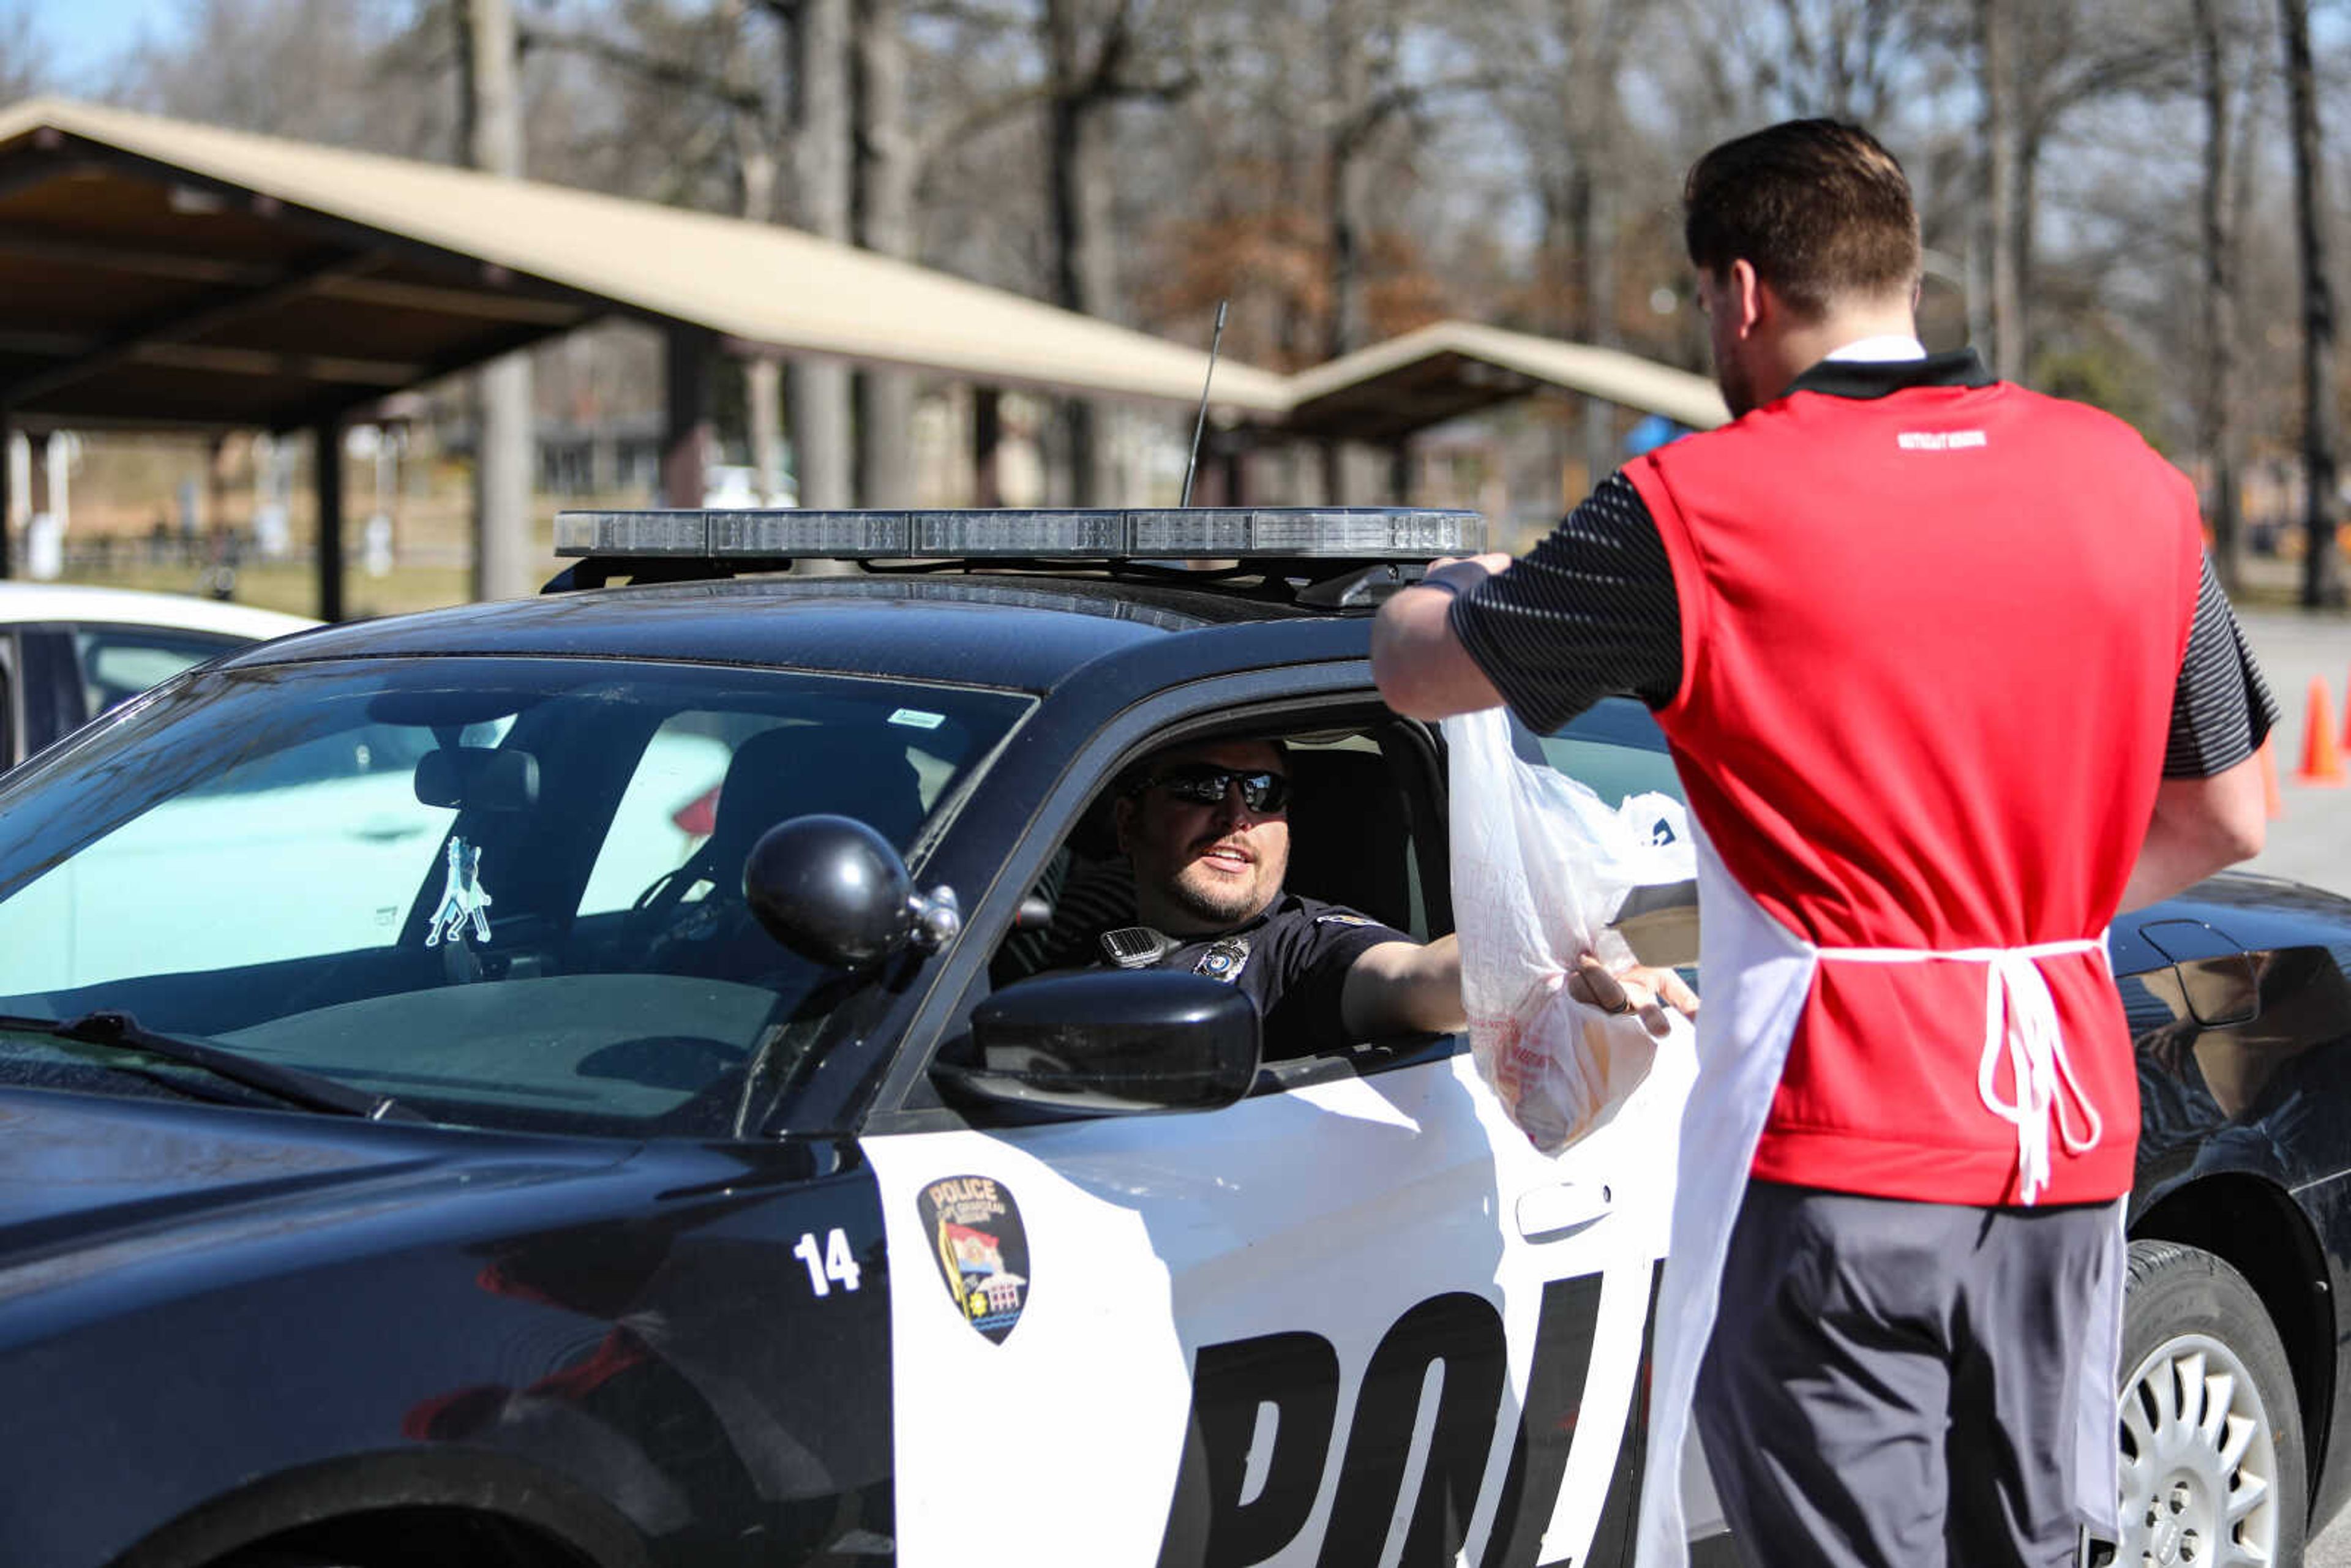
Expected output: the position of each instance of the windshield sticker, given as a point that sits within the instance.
(916, 718)
(464, 899)
(982, 1250)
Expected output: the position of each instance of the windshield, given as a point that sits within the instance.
(507, 892)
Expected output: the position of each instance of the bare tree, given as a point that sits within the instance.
(2218, 435)
(755, 124)
(2322, 578)
(1558, 68)
(1846, 59)
(286, 68)
(886, 171)
(823, 182)
(492, 118)
(2068, 56)
(1097, 55)
(2001, 266)
(25, 62)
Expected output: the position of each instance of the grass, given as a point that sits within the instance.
(293, 586)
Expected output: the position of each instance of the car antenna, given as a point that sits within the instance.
(1201, 424)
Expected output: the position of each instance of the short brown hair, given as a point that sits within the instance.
(1817, 207)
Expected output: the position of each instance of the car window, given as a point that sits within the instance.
(1613, 748)
(672, 808)
(1352, 842)
(430, 877)
(118, 663)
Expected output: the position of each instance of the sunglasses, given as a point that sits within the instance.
(1205, 783)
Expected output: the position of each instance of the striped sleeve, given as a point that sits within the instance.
(2221, 710)
(1589, 613)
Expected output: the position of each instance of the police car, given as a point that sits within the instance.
(683, 1126)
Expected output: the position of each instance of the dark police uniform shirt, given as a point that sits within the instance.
(1295, 969)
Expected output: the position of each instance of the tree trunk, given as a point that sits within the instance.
(2025, 204)
(885, 222)
(1343, 181)
(1996, 33)
(1077, 187)
(763, 391)
(491, 120)
(1066, 129)
(821, 148)
(1343, 329)
(1592, 125)
(2321, 576)
(2219, 421)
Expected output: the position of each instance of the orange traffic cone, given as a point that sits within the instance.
(2273, 804)
(2322, 758)
(2347, 719)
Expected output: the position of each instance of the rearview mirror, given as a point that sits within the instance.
(477, 778)
(1112, 1041)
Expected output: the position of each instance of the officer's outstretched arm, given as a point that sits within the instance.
(1408, 987)
(1404, 987)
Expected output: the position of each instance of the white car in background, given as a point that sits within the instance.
(69, 653)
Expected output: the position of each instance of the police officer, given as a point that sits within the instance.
(1205, 828)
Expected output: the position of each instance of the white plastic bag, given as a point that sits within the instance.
(1540, 864)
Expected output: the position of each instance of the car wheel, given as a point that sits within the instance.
(2212, 1471)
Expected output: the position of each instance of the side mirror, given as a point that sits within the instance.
(836, 892)
(1113, 1041)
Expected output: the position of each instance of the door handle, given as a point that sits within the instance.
(1548, 1213)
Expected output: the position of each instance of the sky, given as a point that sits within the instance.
(82, 35)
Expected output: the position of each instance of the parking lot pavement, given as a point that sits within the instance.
(2312, 842)
(2330, 1550)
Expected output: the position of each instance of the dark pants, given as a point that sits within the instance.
(1893, 1383)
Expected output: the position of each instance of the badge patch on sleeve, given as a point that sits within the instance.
(982, 1250)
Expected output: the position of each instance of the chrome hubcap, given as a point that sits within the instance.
(2198, 1463)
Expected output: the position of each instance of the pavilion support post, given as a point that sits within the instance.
(685, 420)
(505, 464)
(1400, 473)
(1237, 474)
(327, 463)
(1334, 474)
(987, 444)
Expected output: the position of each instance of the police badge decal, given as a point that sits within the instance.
(982, 1250)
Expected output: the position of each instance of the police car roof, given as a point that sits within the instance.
(1022, 631)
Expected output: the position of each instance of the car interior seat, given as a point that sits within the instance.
(1351, 836)
(794, 771)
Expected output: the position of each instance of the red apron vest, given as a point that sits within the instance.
(1930, 642)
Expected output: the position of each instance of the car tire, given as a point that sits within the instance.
(2212, 1461)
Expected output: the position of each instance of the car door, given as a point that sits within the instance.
(11, 708)
(68, 675)
(1352, 1319)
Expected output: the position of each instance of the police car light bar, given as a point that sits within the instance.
(1350, 533)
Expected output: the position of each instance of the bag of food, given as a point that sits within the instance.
(1541, 865)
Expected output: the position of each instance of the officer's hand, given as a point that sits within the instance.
(1638, 989)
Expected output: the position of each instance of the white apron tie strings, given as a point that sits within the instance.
(2019, 1022)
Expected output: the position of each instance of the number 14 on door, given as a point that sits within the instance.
(833, 1264)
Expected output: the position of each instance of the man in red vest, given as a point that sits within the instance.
(1949, 684)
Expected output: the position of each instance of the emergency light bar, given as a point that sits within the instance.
(1349, 533)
